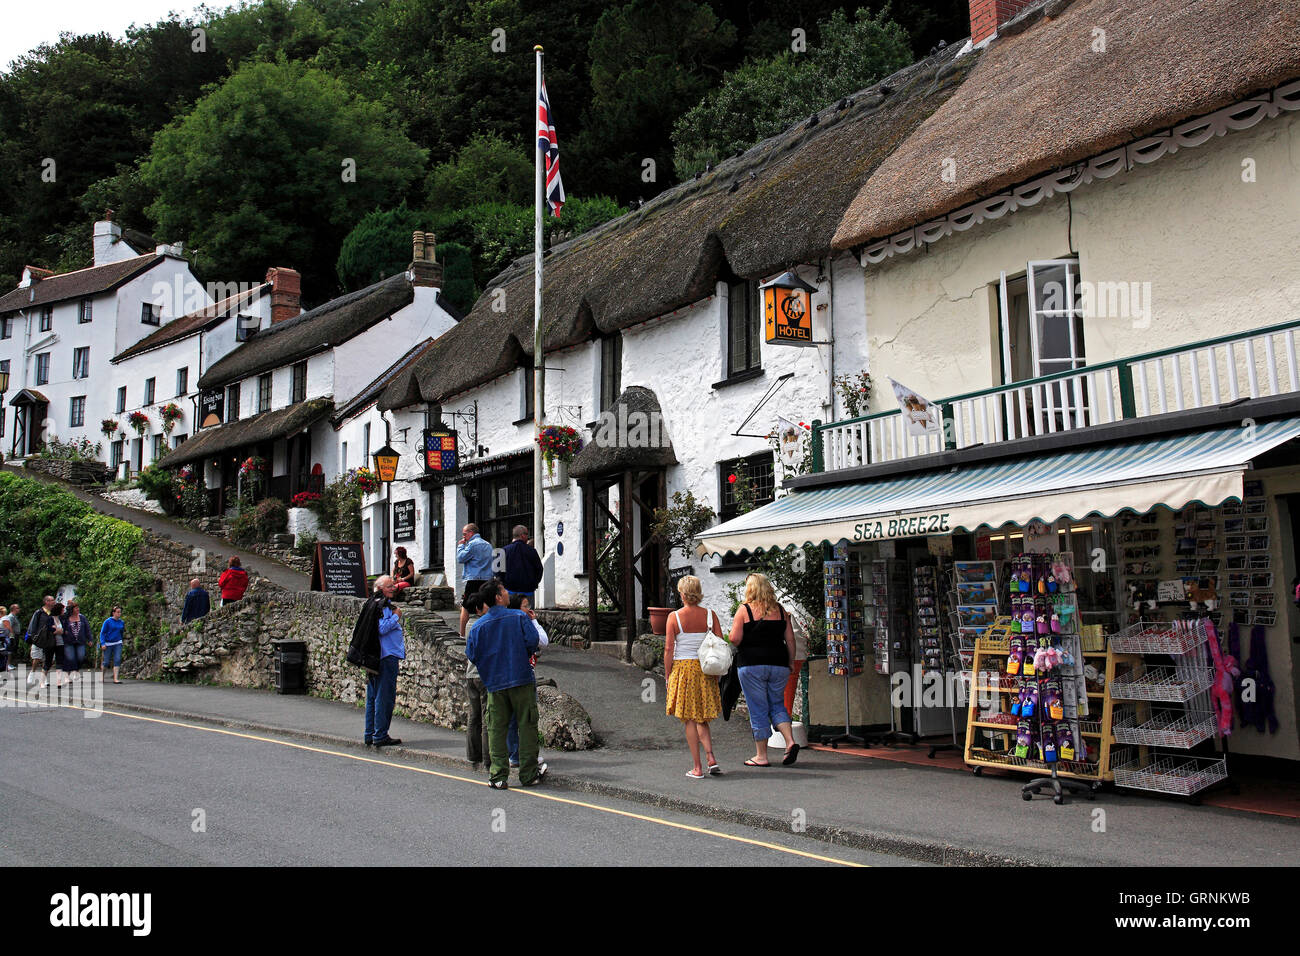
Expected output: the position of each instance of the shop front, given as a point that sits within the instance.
(1062, 614)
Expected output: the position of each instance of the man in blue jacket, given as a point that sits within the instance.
(499, 645)
(476, 554)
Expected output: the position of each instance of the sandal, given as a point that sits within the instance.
(791, 755)
(715, 770)
(696, 776)
(753, 763)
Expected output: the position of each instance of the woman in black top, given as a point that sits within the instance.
(403, 571)
(765, 647)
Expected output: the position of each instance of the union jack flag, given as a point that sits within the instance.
(548, 144)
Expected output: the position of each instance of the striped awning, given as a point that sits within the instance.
(1204, 467)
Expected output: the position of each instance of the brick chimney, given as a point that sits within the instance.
(986, 16)
(425, 270)
(286, 293)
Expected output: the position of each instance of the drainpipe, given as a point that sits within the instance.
(830, 333)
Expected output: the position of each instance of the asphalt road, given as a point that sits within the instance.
(126, 789)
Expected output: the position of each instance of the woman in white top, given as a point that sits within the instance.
(693, 696)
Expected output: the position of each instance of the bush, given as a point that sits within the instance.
(306, 545)
(243, 530)
(271, 517)
(80, 450)
(340, 508)
(156, 483)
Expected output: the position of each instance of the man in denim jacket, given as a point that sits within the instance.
(476, 554)
(499, 645)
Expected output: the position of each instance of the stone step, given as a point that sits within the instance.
(614, 649)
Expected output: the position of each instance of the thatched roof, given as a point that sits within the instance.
(322, 328)
(776, 204)
(249, 431)
(79, 284)
(199, 321)
(640, 440)
(1042, 98)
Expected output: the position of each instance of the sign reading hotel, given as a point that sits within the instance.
(441, 456)
(212, 407)
(788, 311)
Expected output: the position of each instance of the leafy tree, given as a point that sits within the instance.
(487, 169)
(259, 171)
(457, 275)
(379, 246)
(762, 98)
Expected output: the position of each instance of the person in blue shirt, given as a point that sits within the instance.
(476, 554)
(381, 687)
(197, 602)
(111, 635)
(499, 645)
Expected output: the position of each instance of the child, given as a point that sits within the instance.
(520, 602)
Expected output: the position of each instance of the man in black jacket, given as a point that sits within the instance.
(523, 566)
(40, 631)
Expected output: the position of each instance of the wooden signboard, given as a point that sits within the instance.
(339, 567)
(404, 520)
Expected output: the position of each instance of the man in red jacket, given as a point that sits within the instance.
(233, 582)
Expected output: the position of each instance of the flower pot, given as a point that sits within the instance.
(659, 619)
(556, 474)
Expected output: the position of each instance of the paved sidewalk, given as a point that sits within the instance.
(888, 806)
(281, 574)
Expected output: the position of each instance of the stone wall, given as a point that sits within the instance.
(77, 472)
(570, 628)
(234, 645)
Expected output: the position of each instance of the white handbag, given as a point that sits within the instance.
(715, 653)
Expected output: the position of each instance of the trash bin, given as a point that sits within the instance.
(290, 667)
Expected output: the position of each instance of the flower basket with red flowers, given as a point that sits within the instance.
(171, 414)
(253, 467)
(109, 427)
(138, 421)
(367, 480)
(559, 443)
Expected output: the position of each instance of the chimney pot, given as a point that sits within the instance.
(286, 293)
(417, 246)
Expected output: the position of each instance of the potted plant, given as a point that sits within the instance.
(559, 444)
(855, 392)
(367, 480)
(171, 414)
(139, 421)
(108, 426)
(676, 527)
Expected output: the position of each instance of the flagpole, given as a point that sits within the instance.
(539, 367)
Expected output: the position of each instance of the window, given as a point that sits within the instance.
(182, 381)
(232, 403)
(148, 391)
(1041, 316)
(742, 328)
(264, 392)
(47, 318)
(299, 389)
(6, 330)
(121, 399)
(84, 311)
(42, 368)
(115, 454)
(77, 412)
(159, 446)
(179, 440)
(365, 446)
(81, 362)
(343, 458)
(529, 379)
(245, 327)
(611, 370)
(150, 314)
(758, 469)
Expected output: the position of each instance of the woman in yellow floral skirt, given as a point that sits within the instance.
(693, 696)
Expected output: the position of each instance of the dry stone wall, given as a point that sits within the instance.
(234, 644)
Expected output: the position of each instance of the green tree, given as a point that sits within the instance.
(458, 286)
(764, 97)
(487, 169)
(274, 165)
(378, 246)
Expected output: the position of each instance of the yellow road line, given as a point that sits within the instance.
(476, 782)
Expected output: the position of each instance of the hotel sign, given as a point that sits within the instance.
(212, 407)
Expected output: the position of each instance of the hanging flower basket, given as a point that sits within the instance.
(559, 443)
(109, 427)
(139, 421)
(253, 467)
(171, 414)
(367, 481)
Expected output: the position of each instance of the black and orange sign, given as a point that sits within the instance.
(386, 463)
(787, 311)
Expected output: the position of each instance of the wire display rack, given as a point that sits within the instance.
(1175, 774)
(1164, 728)
(1174, 638)
(1176, 685)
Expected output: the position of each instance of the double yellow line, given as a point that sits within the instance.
(478, 782)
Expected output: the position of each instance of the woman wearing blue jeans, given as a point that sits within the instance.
(764, 638)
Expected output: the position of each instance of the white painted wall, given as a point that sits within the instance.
(364, 356)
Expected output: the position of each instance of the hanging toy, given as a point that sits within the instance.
(1053, 705)
(1017, 657)
(1023, 739)
(1018, 704)
(1031, 700)
(1027, 619)
(1024, 581)
(1049, 743)
(1056, 623)
(1042, 624)
(1065, 741)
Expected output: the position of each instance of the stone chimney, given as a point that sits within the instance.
(987, 16)
(425, 270)
(286, 293)
(108, 245)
